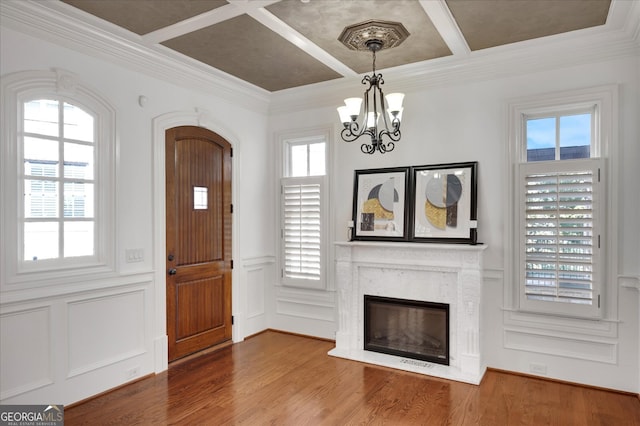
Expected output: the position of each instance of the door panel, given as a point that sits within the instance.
(198, 170)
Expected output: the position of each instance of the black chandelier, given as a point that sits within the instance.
(373, 36)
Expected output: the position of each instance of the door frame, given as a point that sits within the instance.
(160, 125)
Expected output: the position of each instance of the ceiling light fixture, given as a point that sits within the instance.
(373, 36)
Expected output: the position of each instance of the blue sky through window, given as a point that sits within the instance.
(541, 133)
(570, 133)
(575, 130)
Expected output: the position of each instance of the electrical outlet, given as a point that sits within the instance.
(133, 372)
(134, 255)
(536, 368)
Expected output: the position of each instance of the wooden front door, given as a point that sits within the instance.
(198, 186)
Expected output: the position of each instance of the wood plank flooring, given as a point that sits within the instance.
(281, 379)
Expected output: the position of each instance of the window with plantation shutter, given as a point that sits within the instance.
(562, 244)
(560, 208)
(301, 228)
(303, 215)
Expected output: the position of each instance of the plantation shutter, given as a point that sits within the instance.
(301, 228)
(560, 241)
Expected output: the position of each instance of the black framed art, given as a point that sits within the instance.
(443, 203)
(380, 204)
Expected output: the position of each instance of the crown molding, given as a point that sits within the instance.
(619, 38)
(45, 20)
(59, 23)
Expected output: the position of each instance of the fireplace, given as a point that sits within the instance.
(443, 274)
(407, 328)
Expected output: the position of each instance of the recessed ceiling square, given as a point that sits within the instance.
(145, 16)
(490, 23)
(250, 51)
(322, 21)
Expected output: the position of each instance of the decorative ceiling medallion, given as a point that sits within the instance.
(372, 34)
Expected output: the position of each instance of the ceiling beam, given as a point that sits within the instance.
(446, 25)
(206, 19)
(278, 26)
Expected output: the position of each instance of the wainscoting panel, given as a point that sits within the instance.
(310, 312)
(251, 304)
(302, 304)
(94, 342)
(77, 341)
(564, 346)
(255, 291)
(26, 341)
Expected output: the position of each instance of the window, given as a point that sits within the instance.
(560, 196)
(58, 145)
(61, 134)
(303, 205)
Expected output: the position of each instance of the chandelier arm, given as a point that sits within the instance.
(392, 135)
(367, 148)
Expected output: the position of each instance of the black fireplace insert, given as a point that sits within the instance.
(407, 328)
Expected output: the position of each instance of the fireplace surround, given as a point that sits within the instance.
(437, 273)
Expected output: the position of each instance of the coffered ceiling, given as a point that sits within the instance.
(278, 45)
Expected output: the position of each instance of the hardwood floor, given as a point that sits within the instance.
(281, 379)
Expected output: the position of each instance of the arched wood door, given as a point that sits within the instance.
(198, 194)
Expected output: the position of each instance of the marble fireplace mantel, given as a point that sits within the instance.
(443, 273)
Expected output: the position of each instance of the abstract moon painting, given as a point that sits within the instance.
(444, 203)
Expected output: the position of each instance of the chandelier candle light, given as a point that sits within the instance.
(373, 36)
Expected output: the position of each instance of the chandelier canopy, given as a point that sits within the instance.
(373, 36)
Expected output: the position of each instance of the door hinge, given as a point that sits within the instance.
(598, 241)
(231, 208)
(231, 263)
(231, 152)
(281, 273)
(598, 301)
(598, 174)
(232, 318)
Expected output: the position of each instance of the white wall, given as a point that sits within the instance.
(468, 122)
(75, 339)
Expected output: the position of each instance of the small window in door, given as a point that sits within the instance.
(200, 199)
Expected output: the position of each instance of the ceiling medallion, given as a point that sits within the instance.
(373, 36)
(386, 34)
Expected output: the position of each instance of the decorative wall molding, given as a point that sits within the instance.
(28, 328)
(629, 281)
(44, 20)
(562, 326)
(75, 285)
(305, 303)
(92, 343)
(100, 338)
(560, 345)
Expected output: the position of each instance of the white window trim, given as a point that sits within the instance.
(605, 100)
(63, 85)
(297, 137)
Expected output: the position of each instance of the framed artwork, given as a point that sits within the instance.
(379, 204)
(444, 203)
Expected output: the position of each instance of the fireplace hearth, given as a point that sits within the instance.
(409, 328)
